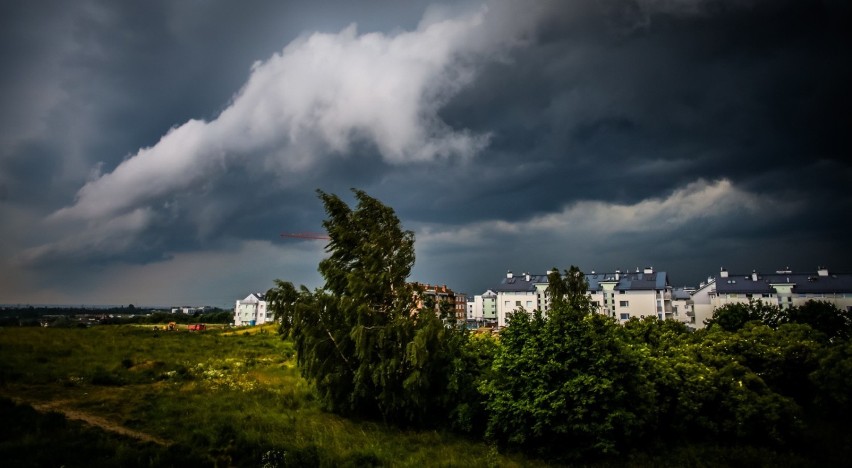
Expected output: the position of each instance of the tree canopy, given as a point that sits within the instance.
(359, 337)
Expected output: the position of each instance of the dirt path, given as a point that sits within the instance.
(97, 421)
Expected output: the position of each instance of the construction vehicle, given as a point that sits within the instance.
(172, 326)
(197, 327)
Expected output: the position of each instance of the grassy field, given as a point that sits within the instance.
(219, 397)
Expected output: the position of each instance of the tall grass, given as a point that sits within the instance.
(234, 398)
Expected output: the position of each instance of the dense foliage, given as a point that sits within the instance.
(359, 338)
(570, 384)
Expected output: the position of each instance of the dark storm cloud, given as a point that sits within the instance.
(606, 134)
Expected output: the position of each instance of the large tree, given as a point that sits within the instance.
(359, 337)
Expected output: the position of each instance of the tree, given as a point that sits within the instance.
(568, 292)
(359, 337)
(732, 317)
(824, 317)
(282, 299)
(566, 384)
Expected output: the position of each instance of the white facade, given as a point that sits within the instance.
(626, 295)
(645, 293)
(483, 309)
(252, 311)
(682, 310)
(783, 288)
(525, 292)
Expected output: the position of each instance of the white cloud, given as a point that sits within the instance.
(699, 200)
(313, 100)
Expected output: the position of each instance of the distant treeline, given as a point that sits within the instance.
(214, 316)
(76, 316)
(35, 312)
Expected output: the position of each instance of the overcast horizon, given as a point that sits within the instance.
(153, 153)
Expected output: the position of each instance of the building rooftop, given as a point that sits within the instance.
(627, 281)
(520, 283)
(638, 281)
(803, 283)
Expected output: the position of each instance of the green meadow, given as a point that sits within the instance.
(215, 398)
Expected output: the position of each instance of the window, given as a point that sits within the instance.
(623, 303)
(529, 304)
(508, 304)
(621, 292)
(517, 303)
(625, 316)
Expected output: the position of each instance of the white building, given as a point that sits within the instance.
(639, 294)
(619, 295)
(520, 292)
(252, 311)
(482, 310)
(682, 305)
(783, 288)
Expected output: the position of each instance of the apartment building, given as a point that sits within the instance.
(525, 292)
(626, 295)
(783, 288)
(441, 293)
(682, 305)
(482, 310)
(622, 295)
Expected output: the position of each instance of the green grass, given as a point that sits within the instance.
(230, 397)
(226, 398)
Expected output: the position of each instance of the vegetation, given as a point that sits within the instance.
(569, 385)
(220, 398)
(359, 338)
(359, 375)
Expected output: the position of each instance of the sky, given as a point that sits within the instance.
(152, 153)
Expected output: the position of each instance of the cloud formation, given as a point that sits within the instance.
(526, 135)
(315, 99)
(699, 201)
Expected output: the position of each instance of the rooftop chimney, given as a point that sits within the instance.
(617, 274)
(509, 274)
(723, 273)
(649, 270)
(753, 275)
(822, 271)
(527, 276)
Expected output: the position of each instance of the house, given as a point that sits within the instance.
(783, 288)
(252, 311)
(620, 295)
